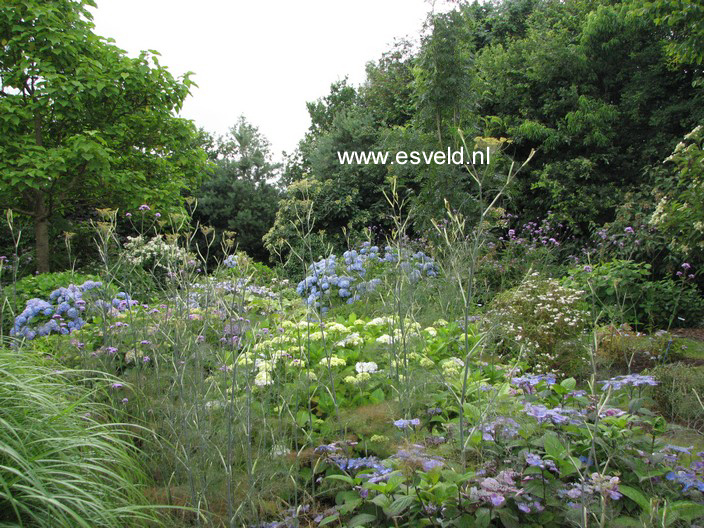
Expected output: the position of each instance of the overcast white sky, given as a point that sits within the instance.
(260, 58)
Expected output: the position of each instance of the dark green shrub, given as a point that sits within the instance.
(672, 303)
(621, 292)
(622, 349)
(681, 386)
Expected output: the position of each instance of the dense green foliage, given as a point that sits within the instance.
(240, 196)
(83, 125)
(680, 212)
(449, 345)
(588, 84)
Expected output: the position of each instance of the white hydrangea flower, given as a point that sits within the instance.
(281, 340)
(336, 327)
(413, 325)
(366, 367)
(384, 339)
(379, 321)
(333, 361)
(452, 366)
(427, 363)
(351, 340)
(264, 365)
(316, 336)
(246, 358)
(263, 378)
(362, 377)
(280, 355)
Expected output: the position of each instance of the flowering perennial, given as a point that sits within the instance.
(347, 279)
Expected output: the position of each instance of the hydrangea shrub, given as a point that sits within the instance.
(358, 273)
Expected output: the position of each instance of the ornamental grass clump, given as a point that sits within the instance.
(60, 466)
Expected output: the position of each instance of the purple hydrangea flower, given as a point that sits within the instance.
(557, 415)
(635, 380)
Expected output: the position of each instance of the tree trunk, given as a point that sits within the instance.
(41, 233)
(41, 213)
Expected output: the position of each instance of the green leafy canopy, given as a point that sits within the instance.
(81, 123)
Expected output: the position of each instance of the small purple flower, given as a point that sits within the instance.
(496, 499)
(528, 382)
(533, 460)
(686, 266)
(125, 400)
(128, 215)
(406, 424)
(157, 215)
(629, 230)
(116, 386)
(415, 455)
(588, 268)
(146, 359)
(144, 207)
(688, 479)
(679, 449)
(326, 448)
(612, 412)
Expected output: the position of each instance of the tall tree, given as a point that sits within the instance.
(684, 20)
(79, 118)
(241, 195)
